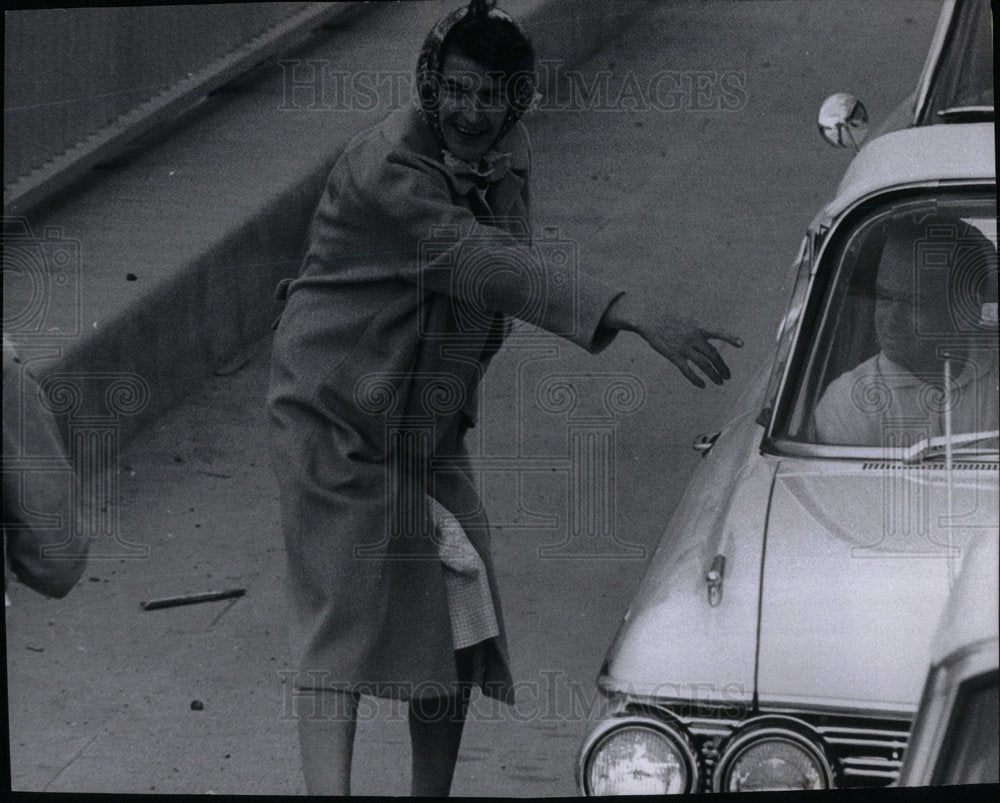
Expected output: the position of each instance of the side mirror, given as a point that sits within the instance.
(843, 121)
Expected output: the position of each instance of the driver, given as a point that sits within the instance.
(900, 392)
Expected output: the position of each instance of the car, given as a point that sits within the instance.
(956, 734)
(956, 83)
(780, 636)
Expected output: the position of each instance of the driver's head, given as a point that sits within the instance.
(927, 307)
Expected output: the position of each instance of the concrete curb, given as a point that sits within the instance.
(203, 311)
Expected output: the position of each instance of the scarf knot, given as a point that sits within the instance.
(491, 169)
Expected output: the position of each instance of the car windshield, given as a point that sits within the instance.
(899, 349)
(962, 87)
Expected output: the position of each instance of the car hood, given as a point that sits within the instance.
(836, 573)
(855, 575)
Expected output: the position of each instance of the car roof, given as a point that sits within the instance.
(973, 610)
(946, 152)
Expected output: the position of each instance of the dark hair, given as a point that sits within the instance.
(495, 43)
(961, 249)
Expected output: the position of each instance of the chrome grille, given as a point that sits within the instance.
(863, 752)
(866, 755)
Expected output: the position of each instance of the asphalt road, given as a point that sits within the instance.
(687, 165)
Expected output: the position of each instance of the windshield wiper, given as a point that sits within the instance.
(930, 447)
(967, 114)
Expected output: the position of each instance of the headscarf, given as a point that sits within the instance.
(431, 59)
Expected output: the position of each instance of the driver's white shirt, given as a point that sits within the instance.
(881, 403)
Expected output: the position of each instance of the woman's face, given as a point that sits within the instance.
(473, 106)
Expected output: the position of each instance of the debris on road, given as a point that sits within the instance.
(191, 599)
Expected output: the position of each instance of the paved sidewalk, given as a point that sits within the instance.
(101, 690)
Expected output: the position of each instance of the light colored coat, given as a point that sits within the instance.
(403, 298)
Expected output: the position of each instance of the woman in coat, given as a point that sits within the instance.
(420, 253)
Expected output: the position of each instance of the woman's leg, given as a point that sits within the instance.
(435, 735)
(326, 739)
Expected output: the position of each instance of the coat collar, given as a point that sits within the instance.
(410, 130)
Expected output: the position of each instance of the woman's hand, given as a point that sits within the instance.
(680, 340)
(454, 548)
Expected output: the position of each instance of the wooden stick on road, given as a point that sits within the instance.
(191, 599)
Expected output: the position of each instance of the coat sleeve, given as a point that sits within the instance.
(440, 246)
(45, 546)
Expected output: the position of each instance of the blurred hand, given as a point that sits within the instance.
(679, 339)
(454, 548)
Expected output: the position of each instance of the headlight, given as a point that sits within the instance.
(772, 759)
(639, 757)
